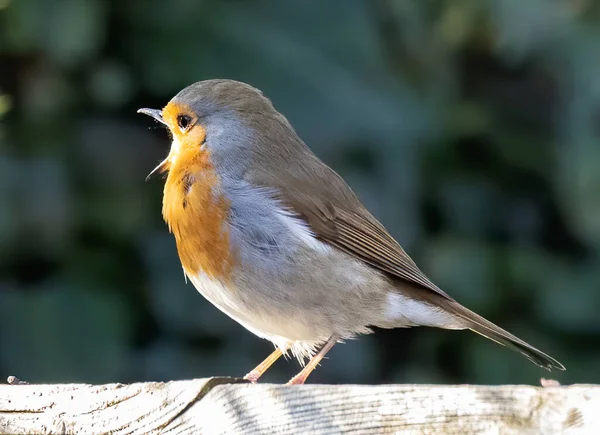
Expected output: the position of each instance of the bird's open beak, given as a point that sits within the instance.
(155, 113)
(164, 165)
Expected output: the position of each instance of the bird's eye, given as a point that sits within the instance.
(184, 121)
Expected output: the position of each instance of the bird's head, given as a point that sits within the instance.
(228, 121)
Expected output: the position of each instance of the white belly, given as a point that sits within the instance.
(282, 332)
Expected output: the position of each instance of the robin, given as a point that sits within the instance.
(279, 242)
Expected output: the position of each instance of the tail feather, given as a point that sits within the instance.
(467, 319)
(484, 327)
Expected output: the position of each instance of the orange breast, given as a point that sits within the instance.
(196, 214)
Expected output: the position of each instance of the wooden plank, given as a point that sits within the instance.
(222, 405)
(93, 409)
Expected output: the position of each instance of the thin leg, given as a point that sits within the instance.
(263, 366)
(300, 378)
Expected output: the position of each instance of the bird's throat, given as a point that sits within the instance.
(196, 212)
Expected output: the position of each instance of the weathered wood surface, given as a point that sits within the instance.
(219, 405)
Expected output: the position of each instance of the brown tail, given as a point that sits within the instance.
(484, 327)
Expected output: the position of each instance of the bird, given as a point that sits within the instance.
(277, 240)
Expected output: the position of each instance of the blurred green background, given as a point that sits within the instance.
(469, 127)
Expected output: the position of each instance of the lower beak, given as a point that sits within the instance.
(161, 168)
(155, 113)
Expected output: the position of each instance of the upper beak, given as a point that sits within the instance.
(155, 113)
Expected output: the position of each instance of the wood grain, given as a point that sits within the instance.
(223, 405)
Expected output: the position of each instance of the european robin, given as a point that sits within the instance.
(279, 242)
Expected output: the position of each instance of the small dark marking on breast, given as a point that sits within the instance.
(188, 180)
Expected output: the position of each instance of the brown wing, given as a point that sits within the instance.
(337, 217)
(363, 237)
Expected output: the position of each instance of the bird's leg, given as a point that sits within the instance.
(300, 378)
(258, 371)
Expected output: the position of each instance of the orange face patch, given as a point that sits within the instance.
(192, 137)
(192, 208)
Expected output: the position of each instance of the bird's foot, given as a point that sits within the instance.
(253, 376)
(299, 379)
